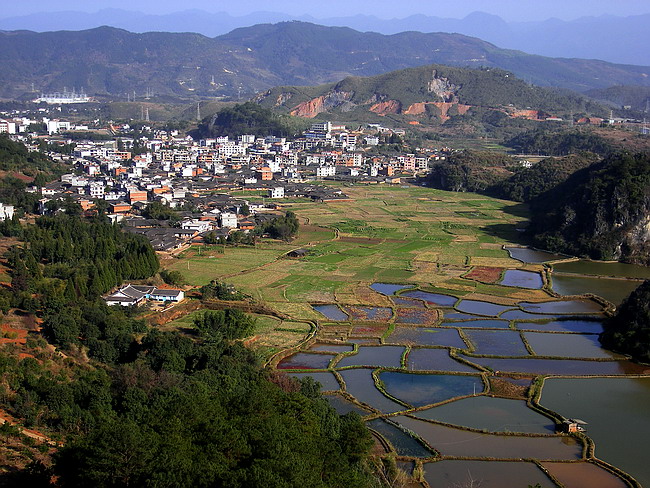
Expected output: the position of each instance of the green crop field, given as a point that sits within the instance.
(398, 234)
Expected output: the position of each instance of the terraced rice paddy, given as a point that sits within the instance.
(417, 303)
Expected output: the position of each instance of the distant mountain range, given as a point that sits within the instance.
(609, 38)
(115, 62)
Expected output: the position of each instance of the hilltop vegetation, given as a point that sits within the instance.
(427, 94)
(629, 330)
(470, 171)
(600, 211)
(247, 118)
(527, 184)
(560, 143)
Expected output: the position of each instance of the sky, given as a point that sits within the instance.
(509, 10)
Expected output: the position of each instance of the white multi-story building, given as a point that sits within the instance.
(277, 192)
(229, 220)
(96, 189)
(325, 170)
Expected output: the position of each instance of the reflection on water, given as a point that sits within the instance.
(304, 360)
(522, 279)
(404, 444)
(568, 345)
(617, 413)
(425, 389)
(482, 308)
(577, 475)
(497, 342)
(620, 270)
(359, 383)
(456, 442)
(332, 312)
(388, 288)
(612, 290)
(532, 256)
(492, 414)
(484, 474)
(326, 379)
(387, 356)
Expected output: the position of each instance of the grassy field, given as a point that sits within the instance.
(384, 233)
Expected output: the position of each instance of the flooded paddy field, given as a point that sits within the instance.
(617, 415)
(478, 307)
(386, 356)
(484, 474)
(420, 336)
(305, 360)
(577, 326)
(560, 367)
(491, 414)
(613, 290)
(568, 345)
(533, 256)
(577, 475)
(332, 312)
(497, 342)
(432, 298)
(420, 359)
(416, 316)
(522, 279)
(326, 379)
(343, 406)
(478, 324)
(335, 348)
(419, 390)
(404, 444)
(360, 384)
(388, 288)
(450, 441)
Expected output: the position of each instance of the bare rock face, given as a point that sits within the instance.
(442, 88)
(387, 107)
(313, 107)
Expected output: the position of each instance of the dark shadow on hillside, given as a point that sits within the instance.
(515, 233)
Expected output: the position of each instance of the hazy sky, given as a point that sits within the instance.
(513, 10)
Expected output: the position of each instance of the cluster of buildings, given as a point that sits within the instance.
(199, 178)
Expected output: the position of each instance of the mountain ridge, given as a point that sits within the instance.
(610, 38)
(248, 60)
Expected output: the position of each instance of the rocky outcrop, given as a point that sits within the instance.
(444, 107)
(387, 107)
(441, 87)
(311, 108)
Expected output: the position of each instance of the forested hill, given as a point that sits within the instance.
(629, 330)
(602, 211)
(428, 94)
(248, 60)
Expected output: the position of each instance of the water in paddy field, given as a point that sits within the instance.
(386, 356)
(561, 366)
(450, 441)
(566, 307)
(532, 256)
(484, 474)
(522, 279)
(617, 415)
(584, 326)
(568, 345)
(326, 379)
(497, 342)
(343, 406)
(478, 324)
(332, 312)
(419, 390)
(421, 336)
(388, 288)
(305, 360)
(574, 475)
(478, 307)
(359, 383)
(336, 348)
(435, 360)
(613, 290)
(434, 298)
(404, 444)
(491, 414)
(598, 268)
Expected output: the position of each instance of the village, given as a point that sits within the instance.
(214, 186)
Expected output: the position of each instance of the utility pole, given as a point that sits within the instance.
(198, 111)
